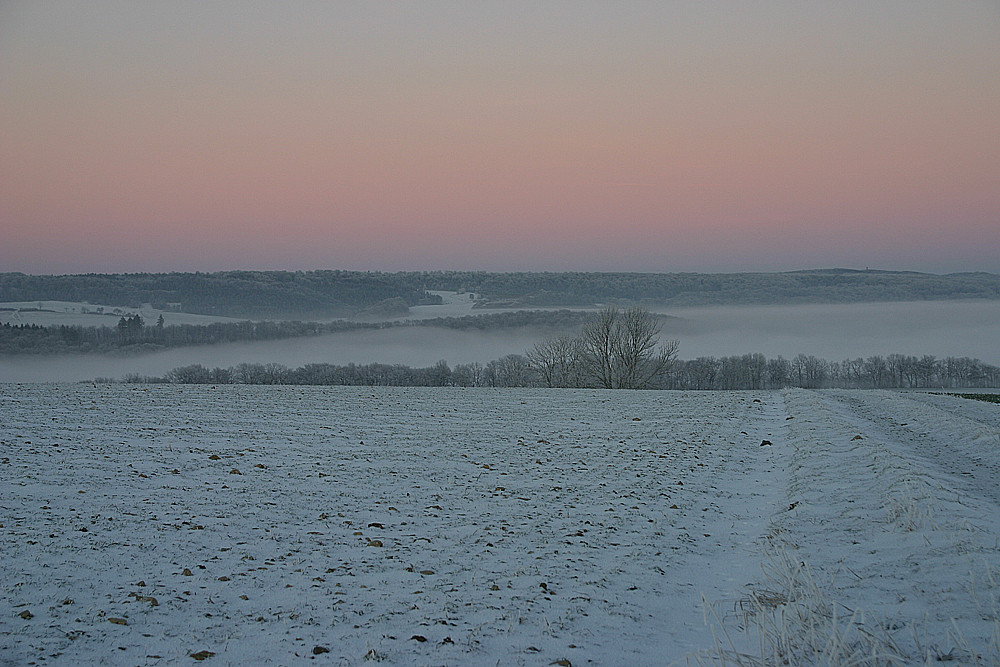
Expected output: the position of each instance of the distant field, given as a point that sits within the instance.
(156, 524)
(69, 313)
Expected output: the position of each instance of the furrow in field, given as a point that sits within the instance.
(875, 533)
(937, 434)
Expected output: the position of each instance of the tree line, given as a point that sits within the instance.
(694, 289)
(893, 371)
(748, 371)
(509, 371)
(133, 334)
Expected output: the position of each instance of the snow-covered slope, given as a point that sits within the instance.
(160, 524)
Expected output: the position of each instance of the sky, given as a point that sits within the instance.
(500, 136)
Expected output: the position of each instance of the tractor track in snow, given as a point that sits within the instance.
(947, 436)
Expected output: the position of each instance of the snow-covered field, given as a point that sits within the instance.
(149, 525)
(75, 313)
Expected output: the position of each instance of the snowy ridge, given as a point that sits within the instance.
(954, 436)
(882, 556)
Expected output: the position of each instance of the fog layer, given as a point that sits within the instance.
(833, 332)
(839, 331)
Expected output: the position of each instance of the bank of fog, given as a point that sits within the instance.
(562, 364)
(832, 332)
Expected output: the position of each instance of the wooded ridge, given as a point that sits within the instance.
(133, 335)
(318, 294)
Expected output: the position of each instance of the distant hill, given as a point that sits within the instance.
(691, 289)
(320, 294)
(240, 294)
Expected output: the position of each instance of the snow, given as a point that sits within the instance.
(896, 514)
(76, 313)
(453, 304)
(454, 526)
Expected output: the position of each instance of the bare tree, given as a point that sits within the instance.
(557, 361)
(468, 375)
(511, 370)
(877, 371)
(622, 350)
(810, 372)
(779, 372)
(598, 343)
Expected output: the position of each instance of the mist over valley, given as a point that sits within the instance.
(831, 331)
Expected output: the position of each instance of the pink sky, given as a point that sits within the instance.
(670, 136)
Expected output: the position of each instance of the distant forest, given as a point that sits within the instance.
(240, 294)
(134, 335)
(324, 294)
(748, 371)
